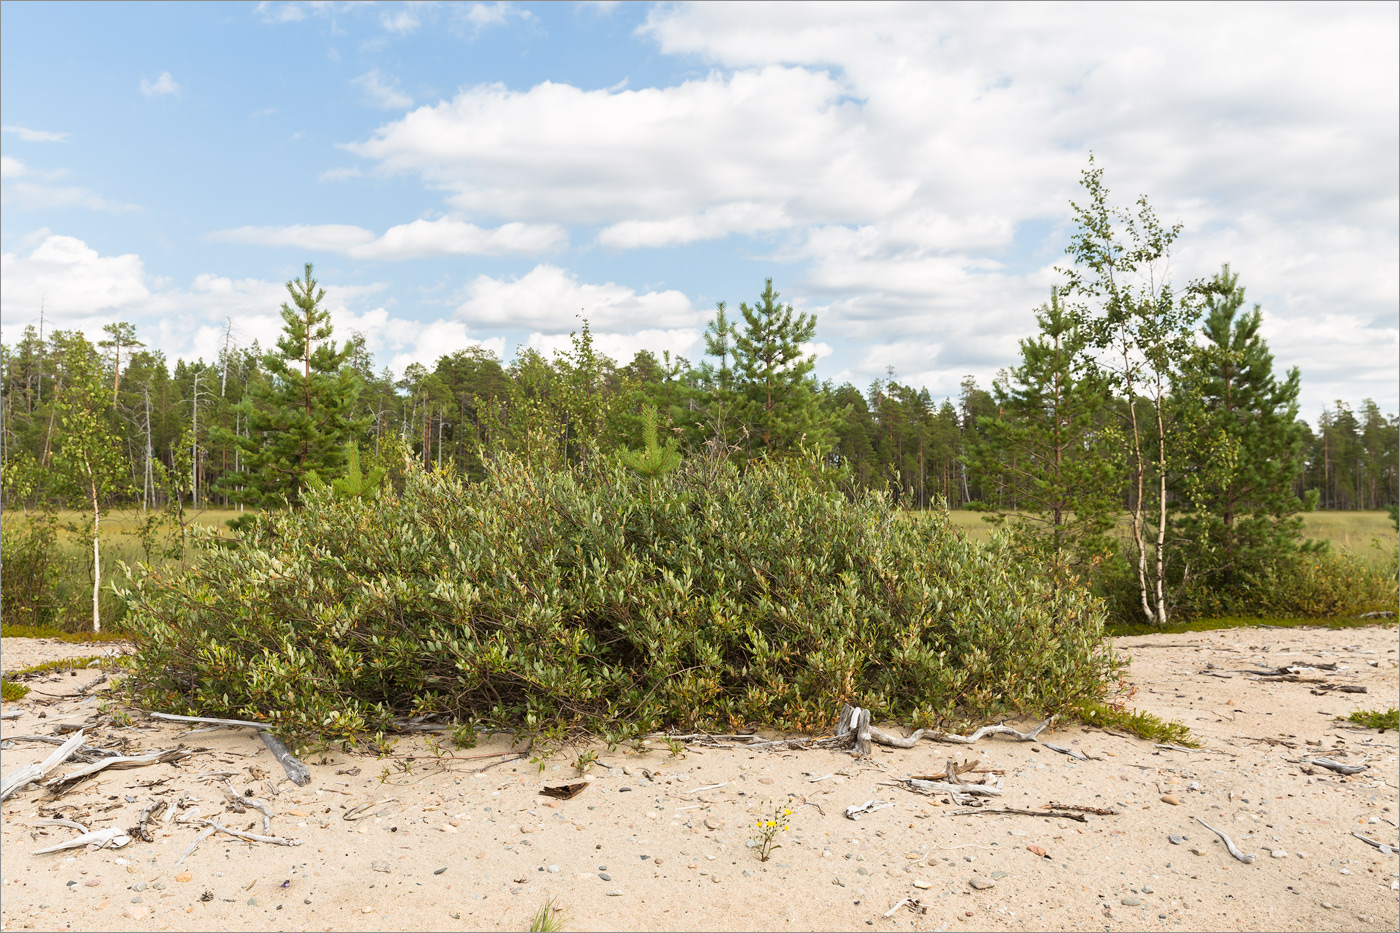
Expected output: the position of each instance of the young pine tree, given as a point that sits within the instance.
(1051, 440)
(777, 401)
(299, 418)
(1240, 512)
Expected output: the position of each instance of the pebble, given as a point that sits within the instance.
(183, 876)
(1146, 889)
(980, 883)
(921, 884)
(747, 873)
(1171, 799)
(604, 876)
(139, 886)
(1131, 902)
(379, 866)
(1175, 840)
(526, 828)
(713, 823)
(1195, 850)
(765, 780)
(862, 871)
(1279, 853)
(656, 861)
(135, 912)
(553, 869)
(617, 892)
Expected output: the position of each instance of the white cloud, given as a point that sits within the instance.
(35, 197)
(550, 300)
(622, 347)
(443, 237)
(73, 281)
(163, 86)
(401, 19)
(279, 12)
(382, 92)
(35, 136)
(481, 15)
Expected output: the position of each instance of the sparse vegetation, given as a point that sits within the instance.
(548, 919)
(1375, 719)
(1141, 724)
(767, 829)
(12, 691)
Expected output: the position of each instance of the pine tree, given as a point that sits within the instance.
(778, 402)
(299, 418)
(1049, 441)
(1241, 510)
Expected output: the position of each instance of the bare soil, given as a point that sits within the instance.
(661, 842)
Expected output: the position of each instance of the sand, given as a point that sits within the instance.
(661, 842)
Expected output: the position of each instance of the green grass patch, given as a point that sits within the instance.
(1120, 629)
(62, 664)
(20, 630)
(12, 691)
(1136, 722)
(548, 919)
(1375, 719)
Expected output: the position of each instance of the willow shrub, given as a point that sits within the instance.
(588, 600)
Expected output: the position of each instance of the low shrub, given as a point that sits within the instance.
(597, 600)
(1376, 719)
(33, 566)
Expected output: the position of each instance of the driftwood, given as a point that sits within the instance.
(855, 722)
(252, 837)
(856, 810)
(991, 730)
(1017, 811)
(83, 753)
(1385, 849)
(150, 812)
(1336, 766)
(23, 776)
(911, 902)
(1229, 843)
(298, 772)
(111, 836)
(1071, 752)
(119, 762)
(12, 714)
(194, 845)
(240, 803)
(565, 791)
(1098, 811)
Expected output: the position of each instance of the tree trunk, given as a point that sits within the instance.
(96, 558)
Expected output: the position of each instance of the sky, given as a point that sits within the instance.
(489, 174)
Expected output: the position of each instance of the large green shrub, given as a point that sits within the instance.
(595, 599)
(31, 565)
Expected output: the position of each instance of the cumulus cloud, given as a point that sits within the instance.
(35, 136)
(443, 237)
(163, 86)
(622, 347)
(38, 197)
(551, 300)
(382, 92)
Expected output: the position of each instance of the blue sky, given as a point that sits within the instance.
(483, 173)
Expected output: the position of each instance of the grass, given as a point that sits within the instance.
(1138, 723)
(548, 919)
(1118, 629)
(10, 692)
(47, 631)
(1375, 719)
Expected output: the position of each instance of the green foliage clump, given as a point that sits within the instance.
(29, 585)
(1142, 724)
(1375, 719)
(591, 599)
(10, 691)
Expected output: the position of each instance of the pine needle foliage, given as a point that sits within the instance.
(556, 601)
(654, 459)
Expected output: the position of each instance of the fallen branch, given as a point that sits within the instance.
(856, 810)
(151, 811)
(12, 714)
(1071, 752)
(911, 902)
(1229, 843)
(1098, 811)
(1017, 811)
(27, 774)
(194, 845)
(111, 836)
(253, 837)
(83, 753)
(254, 802)
(299, 773)
(1336, 766)
(117, 763)
(1385, 849)
(992, 730)
(952, 787)
(244, 723)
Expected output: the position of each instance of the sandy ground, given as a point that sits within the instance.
(660, 842)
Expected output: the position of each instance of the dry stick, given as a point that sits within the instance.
(118, 763)
(12, 714)
(1071, 752)
(992, 730)
(101, 838)
(85, 752)
(1051, 814)
(1336, 766)
(193, 845)
(250, 802)
(1229, 843)
(1099, 811)
(298, 772)
(209, 721)
(151, 811)
(27, 774)
(1369, 841)
(59, 821)
(253, 837)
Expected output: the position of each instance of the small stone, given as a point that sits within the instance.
(252, 902)
(1131, 902)
(715, 878)
(616, 892)
(1301, 854)
(1279, 853)
(713, 823)
(379, 866)
(526, 828)
(980, 883)
(1196, 850)
(1175, 840)
(91, 883)
(135, 912)
(1146, 889)
(862, 871)
(1171, 799)
(604, 876)
(139, 886)
(624, 790)
(765, 780)
(183, 876)
(921, 884)
(656, 861)
(1326, 906)
(553, 869)
(998, 875)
